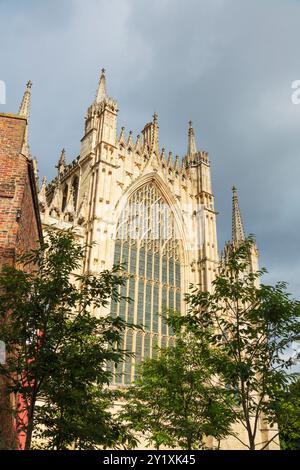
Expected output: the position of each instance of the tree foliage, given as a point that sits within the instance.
(57, 348)
(288, 417)
(175, 402)
(252, 325)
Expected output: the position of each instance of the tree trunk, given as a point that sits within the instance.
(29, 433)
(30, 422)
(251, 442)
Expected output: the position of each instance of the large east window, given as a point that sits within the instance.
(148, 246)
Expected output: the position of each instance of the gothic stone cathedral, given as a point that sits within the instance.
(139, 207)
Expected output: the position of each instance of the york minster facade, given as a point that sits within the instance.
(137, 205)
(141, 208)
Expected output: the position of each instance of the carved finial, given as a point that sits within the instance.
(129, 140)
(25, 104)
(176, 164)
(62, 156)
(169, 162)
(238, 233)
(42, 194)
(122, 136)
(24, 112)
(101, 91)
(138, 141)
(55, 204)
(61, 162)
(154, 137)
(192, 149)
(162, 155)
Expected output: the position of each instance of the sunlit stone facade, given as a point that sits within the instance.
(135, 205)
(153, 214)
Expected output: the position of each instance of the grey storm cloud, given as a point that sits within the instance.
(226, 64)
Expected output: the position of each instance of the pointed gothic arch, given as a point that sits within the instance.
(149, 243)
(64, 197)
(170, 200)
(75, 188)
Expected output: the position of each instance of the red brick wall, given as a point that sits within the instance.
(18, 222)
(19, 229)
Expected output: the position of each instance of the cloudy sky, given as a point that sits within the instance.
(226, 64)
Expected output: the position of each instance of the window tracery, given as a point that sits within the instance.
(148, 245)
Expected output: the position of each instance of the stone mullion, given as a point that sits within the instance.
(152, 294)
(167, 296)
(160, 291)
(144, 296)
(135, 302)
(119, 304)
(89, 224)
(126, 303)
(126, 331)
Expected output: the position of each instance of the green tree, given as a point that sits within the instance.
(251, 325)
(175, 402)
(288, 417)
(57, 349)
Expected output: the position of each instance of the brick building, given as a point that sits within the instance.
(20, 226)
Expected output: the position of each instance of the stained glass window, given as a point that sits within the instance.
(65, 198)
(75, 186)
(146, 242)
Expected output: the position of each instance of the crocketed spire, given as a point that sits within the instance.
(192, 149)
(238, 233)
(101, 91)
(24, 112)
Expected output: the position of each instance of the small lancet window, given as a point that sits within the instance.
(75, 186)
(65, 198)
